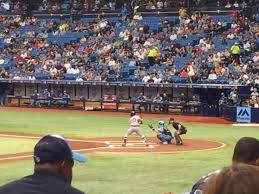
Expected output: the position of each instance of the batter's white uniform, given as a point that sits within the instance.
(134, 126)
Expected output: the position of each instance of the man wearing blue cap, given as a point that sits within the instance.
(54, 161)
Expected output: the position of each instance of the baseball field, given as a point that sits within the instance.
(111, 169)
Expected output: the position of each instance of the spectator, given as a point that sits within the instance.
(256, 57)
(152, 56)
(246, 151)
(146, 77)
(235, 179)
(53, 47)
(157, 79)
(235, 51)
(190, 71)
(247, 47)
(236, 5)
(256, 104)
(228, 5)
(212, 76)
(54, 161)
(4, 74)
(254, 95)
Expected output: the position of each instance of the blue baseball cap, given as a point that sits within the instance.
(52, 148)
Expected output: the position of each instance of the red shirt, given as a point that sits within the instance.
(184, 73)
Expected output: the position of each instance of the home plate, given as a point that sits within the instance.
(132, 146)
(131, 143)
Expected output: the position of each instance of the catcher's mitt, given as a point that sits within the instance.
(151, 127)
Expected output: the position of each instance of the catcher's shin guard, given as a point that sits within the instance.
(178, 139)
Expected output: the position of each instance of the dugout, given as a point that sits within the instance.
(92, 94)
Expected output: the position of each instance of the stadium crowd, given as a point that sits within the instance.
(112, 5)
(194, 48)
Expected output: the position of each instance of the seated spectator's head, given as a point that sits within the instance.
(236, 179)
(246, 151)
(54, 154)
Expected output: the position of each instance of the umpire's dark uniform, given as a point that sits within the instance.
(41, 182)
(181, 130)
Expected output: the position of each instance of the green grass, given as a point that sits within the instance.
(124, 173)
(16, 145)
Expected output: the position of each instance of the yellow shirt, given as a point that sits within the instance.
(152, 52)
(235, 49)
(182, 12)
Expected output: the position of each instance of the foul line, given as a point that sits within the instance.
(29, 156)
(38, 137)
(16, 157)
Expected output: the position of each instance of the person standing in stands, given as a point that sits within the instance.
(152, 56)
(235, 51)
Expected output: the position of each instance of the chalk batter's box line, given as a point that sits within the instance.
(131, 147)
(132, 143)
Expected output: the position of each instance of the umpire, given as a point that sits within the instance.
(54, 161)
(180, 129)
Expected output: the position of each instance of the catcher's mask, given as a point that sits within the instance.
(161, 123)
(171, 120)
(132, 113)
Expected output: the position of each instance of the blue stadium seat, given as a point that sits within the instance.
(111, 78)
(68, 76)
(41, 76)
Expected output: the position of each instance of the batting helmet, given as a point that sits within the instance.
(132, 113)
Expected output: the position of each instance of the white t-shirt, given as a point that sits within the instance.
(157, 80)
(173, 37)
(146, 78)
(212, 76)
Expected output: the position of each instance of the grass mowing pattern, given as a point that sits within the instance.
(16, 145)
(125, 173)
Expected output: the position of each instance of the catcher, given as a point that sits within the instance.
(180, 129)
(163, 134)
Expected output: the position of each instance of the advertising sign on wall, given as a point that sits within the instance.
(243, 114)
